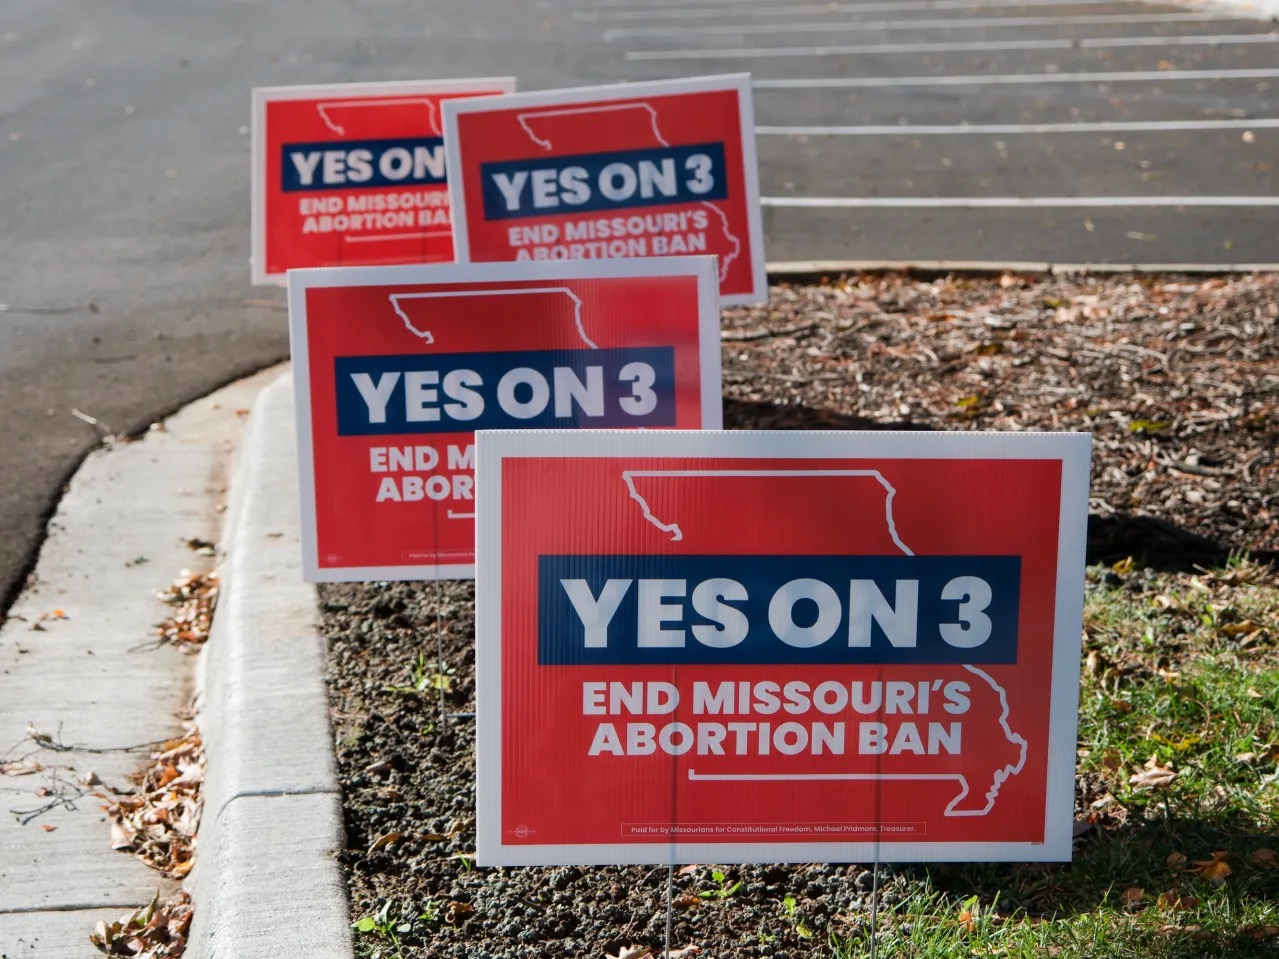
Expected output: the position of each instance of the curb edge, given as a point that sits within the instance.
(267, 882)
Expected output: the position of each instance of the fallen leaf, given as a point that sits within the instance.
(1264, 858)
(20, 767)
(383, 841)
(686, 951)
(1152, 776)
(121, 838)
(1175, 859)
(1215, 869)
(1096, 663)
(1173, 900)
(457, 909)
(1134, 894)
(179, 870)
(632, 952)
(1258, 933)
(1266, 754)
(688, 870)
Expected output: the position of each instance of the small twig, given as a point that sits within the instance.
(61, 799)
(55, 744)
(97, 424)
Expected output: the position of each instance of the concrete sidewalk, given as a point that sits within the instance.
(82, 689)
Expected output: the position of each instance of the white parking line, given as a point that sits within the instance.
(1012, 129)
(683, 12)
(947, 23)
(1085, 43)
(1009, 202)
(1006, 79)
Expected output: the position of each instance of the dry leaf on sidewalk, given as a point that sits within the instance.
(20, 767)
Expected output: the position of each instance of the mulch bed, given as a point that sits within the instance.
(1177, 378)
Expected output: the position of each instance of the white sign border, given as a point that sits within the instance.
(738, 82)
(701, 268)
(1073, 450)
(261, 96)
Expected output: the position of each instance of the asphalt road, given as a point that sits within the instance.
(900, 130)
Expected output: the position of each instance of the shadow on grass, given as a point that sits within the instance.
(1110, 861)
(1156, 544)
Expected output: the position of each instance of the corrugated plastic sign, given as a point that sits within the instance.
(757, 647)
(395, 368)
(353, 174)
(637, 169)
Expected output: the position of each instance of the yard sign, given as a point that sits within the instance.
(395, 368)
(638, 169)
(778, 646)
(352, 174)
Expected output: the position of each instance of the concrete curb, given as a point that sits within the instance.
(267, 884)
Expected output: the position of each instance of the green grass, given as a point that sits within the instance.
(932, 926)
(1179, 829)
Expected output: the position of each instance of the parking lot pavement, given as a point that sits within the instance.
(1091, 131)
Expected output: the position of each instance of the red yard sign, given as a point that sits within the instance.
(352, 174)
(637, 169)
(395, 368)
(756, 647)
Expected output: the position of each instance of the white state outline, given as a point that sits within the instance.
(332, 124)
(701, 269)
(740, 83)
(677, 534)
(1001, 775)
(1071, 450)
(261, 97)
(724, 262)
(427, 336)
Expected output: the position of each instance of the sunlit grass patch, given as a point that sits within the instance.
(930, 925)
(1177, 794)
